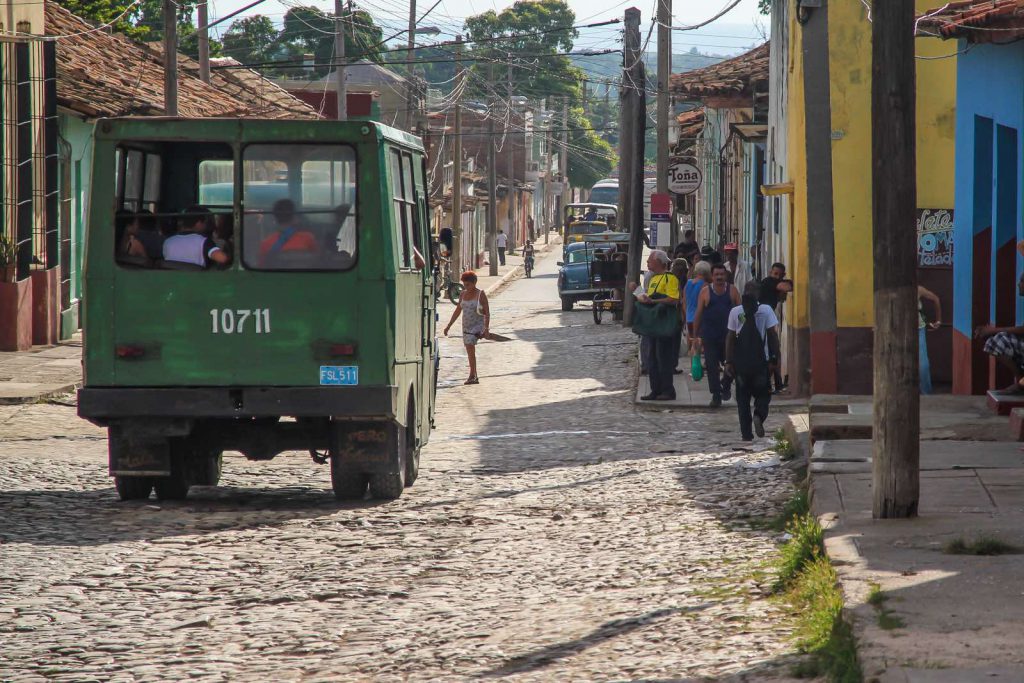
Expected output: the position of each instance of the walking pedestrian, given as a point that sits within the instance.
(774, 290)
(699, 278)
(923, 327)
(680, 268)
(502, 242)
(751, 351)
(711, 324)
(663, 290)
(476, 319)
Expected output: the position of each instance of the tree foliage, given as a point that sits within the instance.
(121, 14)
(591, 158)
(543, 30)
(250, 40)
(764, 6)
(308, 30)
(538, 33)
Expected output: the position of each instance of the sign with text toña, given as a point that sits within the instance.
(684, 178)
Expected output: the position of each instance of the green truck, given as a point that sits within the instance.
(280, 300)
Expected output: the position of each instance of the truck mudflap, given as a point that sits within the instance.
(139, 453)
(370, 445)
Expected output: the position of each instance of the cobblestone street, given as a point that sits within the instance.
(556, 533)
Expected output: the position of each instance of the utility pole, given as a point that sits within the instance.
(410, 88)
(492, 178)
(565, 155)
(170, 58)
(896, 463)
(341, 87)
(551, 164)
(456, 257)
(586, 105)
(664, 69)
(632, 123)
(204, 42)
(510, 136)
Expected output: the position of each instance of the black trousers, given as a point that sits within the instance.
(660, 366)
(756, 387)
(501, 255)
(677, 346)
(714, 356)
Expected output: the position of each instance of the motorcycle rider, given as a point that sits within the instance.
(528, 256)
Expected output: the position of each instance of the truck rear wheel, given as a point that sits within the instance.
(388, 485)
(176, 486)
(567, 303)
(412, 451)
(133, 488)
(347, 481)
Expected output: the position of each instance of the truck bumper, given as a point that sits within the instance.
(100, 404)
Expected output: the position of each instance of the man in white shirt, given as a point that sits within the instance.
(192, 244)
(502, 242)
(751, 353)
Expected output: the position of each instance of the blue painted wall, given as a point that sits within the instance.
(990, 95)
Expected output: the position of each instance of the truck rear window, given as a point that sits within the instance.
(299, 207)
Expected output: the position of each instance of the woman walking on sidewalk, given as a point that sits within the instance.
(476, 318)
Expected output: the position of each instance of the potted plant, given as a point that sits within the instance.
(8, 258)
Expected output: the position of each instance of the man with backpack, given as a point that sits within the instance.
(751, 354)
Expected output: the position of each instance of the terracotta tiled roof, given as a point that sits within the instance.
(691, 123)
(979, 21)
(99, 74)
(737, 76)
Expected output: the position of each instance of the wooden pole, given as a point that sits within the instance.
(510, 137)
(632, 122)
(894, 185)
(170, 58)
(341, 87)
(456, 256)
(410, 91)
(204, 42)
(492, 179)
(664, 69)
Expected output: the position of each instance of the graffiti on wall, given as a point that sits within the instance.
(935, 237)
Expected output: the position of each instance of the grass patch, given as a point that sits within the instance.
(887, 621)
(877, 598)
(809, 583)
(806, 544)
(982, 545)
(783, 446)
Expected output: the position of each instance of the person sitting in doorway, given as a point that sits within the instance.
(192, 244)
(1006, 345)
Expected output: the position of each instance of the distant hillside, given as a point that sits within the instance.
(610, 66)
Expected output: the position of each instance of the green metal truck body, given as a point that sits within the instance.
(328, 350)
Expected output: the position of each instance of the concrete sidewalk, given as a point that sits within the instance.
(941, 617)
(45, 371)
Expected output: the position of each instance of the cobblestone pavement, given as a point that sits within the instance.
(556, 534)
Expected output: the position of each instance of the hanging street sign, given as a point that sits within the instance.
(684, 178)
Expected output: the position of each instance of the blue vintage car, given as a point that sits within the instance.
(574, 275)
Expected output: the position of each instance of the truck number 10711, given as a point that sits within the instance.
(233, 321)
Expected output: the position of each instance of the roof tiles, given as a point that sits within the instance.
(101, 74)
(979, 21)
(737, 76)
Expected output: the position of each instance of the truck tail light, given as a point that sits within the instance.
(342, 349)
(129, 351)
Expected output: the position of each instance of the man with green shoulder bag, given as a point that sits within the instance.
(657, 317)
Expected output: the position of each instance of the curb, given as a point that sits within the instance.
(34, 398)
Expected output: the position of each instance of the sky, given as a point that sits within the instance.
(735, 32)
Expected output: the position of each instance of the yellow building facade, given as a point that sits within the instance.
(846, 366)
